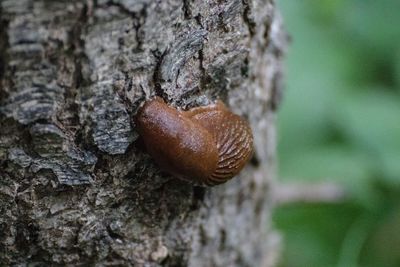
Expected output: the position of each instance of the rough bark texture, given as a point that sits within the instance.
(76, 186)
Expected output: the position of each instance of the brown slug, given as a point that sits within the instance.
(206, 145)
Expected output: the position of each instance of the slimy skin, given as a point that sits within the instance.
(206, 145)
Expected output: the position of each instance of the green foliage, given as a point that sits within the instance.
(340, 122)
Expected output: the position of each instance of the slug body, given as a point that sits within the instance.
(206, 145)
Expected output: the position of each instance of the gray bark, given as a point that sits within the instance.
(76, 186)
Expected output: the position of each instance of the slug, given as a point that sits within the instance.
(205, 145)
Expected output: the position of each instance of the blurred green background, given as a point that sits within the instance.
(340, 122)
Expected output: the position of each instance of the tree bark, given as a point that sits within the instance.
(76, 185)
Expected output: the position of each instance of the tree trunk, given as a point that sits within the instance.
(76, 185)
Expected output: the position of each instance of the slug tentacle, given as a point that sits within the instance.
(207, 145)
